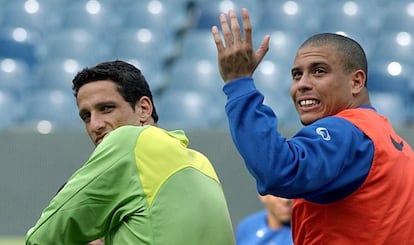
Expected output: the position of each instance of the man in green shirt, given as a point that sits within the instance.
(141, 185)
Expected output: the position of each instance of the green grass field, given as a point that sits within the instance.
(11, 240)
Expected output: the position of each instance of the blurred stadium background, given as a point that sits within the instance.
(43, 43)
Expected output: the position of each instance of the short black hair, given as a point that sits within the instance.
(129, 80)
(354, 57)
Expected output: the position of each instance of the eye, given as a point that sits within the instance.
(85, 117)
(319, 71)
(107, 108)
(296, 75)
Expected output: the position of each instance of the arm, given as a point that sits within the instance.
(305, 166)
(95, 198)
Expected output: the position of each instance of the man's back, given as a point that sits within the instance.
(142, 185)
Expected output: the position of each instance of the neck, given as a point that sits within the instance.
(273, 223)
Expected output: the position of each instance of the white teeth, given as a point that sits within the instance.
(308, 102)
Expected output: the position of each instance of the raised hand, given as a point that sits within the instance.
(236, 57)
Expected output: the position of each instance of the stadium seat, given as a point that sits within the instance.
(96, 16)
(152, 70)
(284, 109)
(142, 44)
(352, 17)
(359, 20)
(55, 106)
(207, 12)
(199, 44)
(273, 78)
(170, 40)
(399, 17)
(158, 16)
(395, 46)
(42, 17)
(18, 44)
(195, 75)
(391, 106)
(283, 44)
(189, 110)
(389, 84)
(15, 76)
(300, 16)
(79, 44)
(11, 110)
(390, 76)
(57, 73)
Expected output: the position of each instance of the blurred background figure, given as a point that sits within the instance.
(270, 226)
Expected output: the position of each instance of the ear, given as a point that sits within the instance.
(144, 109)
(359, 80)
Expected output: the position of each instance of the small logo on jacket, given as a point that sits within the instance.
(323, 132)
(398, 145)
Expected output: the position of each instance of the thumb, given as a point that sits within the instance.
(262, 50)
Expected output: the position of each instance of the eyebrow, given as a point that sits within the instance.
(312, 65)
(98, 105)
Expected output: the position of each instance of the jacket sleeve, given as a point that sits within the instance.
(95, 198)
(323, 162)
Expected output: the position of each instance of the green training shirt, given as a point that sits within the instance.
(141, 185)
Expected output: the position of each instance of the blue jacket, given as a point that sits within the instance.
(308, 165)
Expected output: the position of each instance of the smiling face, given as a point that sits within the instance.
(321, 87)
(103, 109)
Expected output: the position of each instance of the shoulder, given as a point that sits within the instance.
(255, 218)
(248, 227)
(125, 134)
(328, 127)
(123, 131)
(120, 140)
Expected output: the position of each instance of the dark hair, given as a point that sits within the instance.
(129, 80)
(353, 54)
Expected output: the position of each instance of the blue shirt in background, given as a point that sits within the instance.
(253, 230)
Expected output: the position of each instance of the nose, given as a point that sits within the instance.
(304, 84)
(97, 123)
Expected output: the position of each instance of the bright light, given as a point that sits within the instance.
(267, 67)
(350, 8)
(155, 7)
(410, 9)
(342, 33)
(81, 35)
(3, 97)
(394, 68)
(71, 66)
(278, 38)
(8, 65)
(20, 34)
(290, 8)
(93, 7)
(144, 35)
(204, 67)
(403, 38)
(31, 6)
(226, 5)
(44, 127)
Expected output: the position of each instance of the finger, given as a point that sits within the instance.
(247, 27)
(235, 27)
(217, 38)
(228, 37)
(262, 50)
